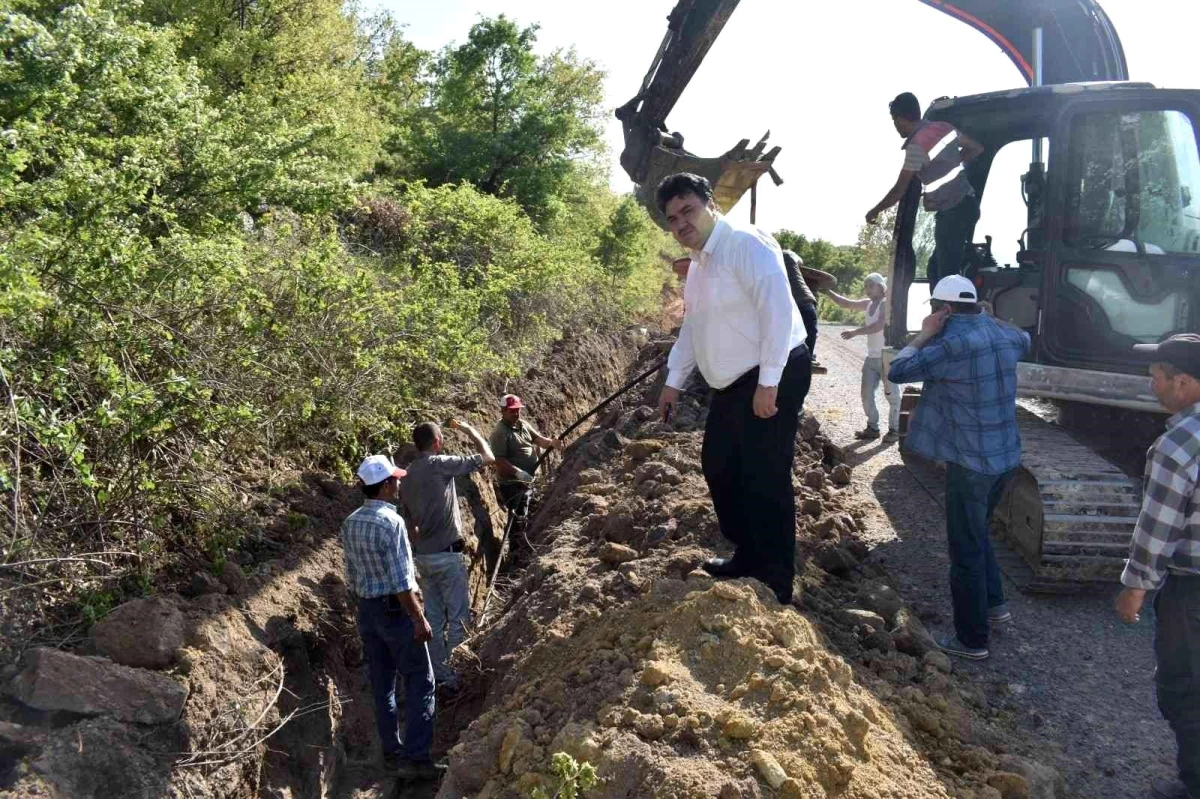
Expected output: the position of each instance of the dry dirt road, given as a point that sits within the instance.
(1066, 667)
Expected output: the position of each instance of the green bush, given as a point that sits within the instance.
(192, 280)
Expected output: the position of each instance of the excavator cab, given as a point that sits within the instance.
(1102, 252)
(1106, 253)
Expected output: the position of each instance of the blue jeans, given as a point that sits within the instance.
(974, 574)
(872, 376)
(391, 650)
(443, 579)
(952, 231)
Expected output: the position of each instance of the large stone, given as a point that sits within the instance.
(881, 599)
(640, 450)
(615, 554)
(1010, 786)
(49, 679)
(841, 475)
(94, 759)
(1042, 781)
(142, 632)
(205, 583)
(234, 578)
(853, 617)
(939, 660)
(768, 767)
(910, 635)
(835, 559)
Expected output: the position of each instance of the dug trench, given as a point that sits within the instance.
(603, 641)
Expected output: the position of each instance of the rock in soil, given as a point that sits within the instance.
(50, 679)
(146, 633)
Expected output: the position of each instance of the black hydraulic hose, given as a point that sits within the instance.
(512, 515)
(658, 365)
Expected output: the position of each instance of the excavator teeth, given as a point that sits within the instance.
(1066, 520)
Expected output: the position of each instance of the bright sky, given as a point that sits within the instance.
(819, 77)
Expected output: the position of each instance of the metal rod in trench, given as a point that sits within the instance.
(658, 365)
(508, 526)
(512, 516)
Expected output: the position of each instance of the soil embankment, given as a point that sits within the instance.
(251, 681)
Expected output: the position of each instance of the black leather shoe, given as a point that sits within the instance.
(725, 567)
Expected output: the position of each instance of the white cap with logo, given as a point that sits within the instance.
(955, 288)
(377, 468)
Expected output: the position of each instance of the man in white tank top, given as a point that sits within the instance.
(875, 287)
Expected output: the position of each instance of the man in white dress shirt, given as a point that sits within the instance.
(745, 334)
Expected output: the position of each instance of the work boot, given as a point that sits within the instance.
(1169, 789)
(725, 567)
(868, 433)
(818, 369)
(891, 437)
(952, 646)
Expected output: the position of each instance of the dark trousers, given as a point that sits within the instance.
(391, 650)
(747, 464)
(1177, 651)
(952, 230)
(974, 574)
(809, 314)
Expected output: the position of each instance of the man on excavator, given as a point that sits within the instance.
(935, 153)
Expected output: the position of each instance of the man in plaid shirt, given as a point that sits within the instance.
(391, 619)
(1165, 553)
(967, 417)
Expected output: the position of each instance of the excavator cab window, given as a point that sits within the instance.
(1131, 233)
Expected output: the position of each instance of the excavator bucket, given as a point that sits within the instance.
(731, 174)
(650, 152)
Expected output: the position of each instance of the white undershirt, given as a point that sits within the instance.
(875, 340)
(739, 311)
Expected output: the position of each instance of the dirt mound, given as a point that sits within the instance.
(616, 649)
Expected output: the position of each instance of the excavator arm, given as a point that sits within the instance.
(651, 153)
(1080, 44)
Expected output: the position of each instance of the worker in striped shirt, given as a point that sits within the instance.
(391, 619)
(1165, 553)
(935, 153)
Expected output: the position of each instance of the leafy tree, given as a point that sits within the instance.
(506, 121)
(624, 240)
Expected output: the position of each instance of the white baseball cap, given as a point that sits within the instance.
(954, 288)
(875, 277)
(378, 468)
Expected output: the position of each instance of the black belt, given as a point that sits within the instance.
(457, 546)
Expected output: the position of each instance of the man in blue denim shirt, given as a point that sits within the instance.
(967, 417)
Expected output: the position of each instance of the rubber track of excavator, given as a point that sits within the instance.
(1068, 516)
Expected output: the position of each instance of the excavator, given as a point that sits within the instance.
(1108, 256)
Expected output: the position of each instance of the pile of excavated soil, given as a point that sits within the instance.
(617, 649)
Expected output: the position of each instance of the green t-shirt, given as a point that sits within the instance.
(515, 444)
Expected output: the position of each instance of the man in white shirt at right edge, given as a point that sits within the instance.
(745, 334)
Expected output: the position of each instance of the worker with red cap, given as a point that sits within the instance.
(515, 443)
